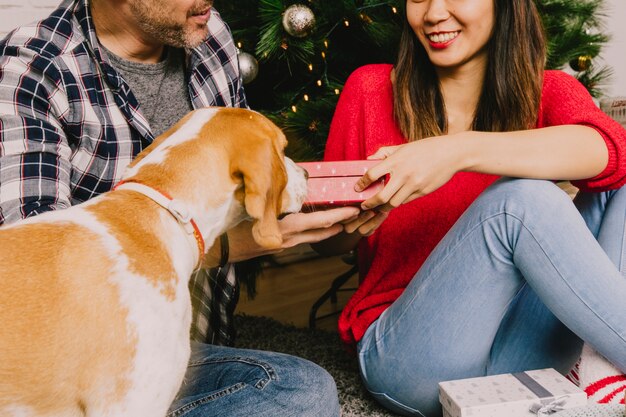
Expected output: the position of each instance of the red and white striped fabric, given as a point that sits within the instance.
(603, 382)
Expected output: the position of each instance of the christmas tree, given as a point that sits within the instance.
(296, 55)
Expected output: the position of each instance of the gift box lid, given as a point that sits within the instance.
(337, 168)
(510, 394)
(331, 183)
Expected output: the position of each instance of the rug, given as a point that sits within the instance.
(321, 347)
(593, 410)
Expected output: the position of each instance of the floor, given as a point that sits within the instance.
(286, 292)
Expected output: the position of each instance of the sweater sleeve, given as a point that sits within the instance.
(566, 101)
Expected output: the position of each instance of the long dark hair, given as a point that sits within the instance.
(511, 90)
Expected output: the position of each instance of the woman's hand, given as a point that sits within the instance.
(296, 228)
(415, 169)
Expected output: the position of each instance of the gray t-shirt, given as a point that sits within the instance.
(160, 88)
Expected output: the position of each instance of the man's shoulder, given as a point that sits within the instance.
(50, 37)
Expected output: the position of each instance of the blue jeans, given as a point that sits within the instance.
(227, 382)
(518, 282)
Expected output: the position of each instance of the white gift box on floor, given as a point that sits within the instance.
(531, 393)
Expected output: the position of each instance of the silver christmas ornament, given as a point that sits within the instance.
(248, 66)
(298, 20)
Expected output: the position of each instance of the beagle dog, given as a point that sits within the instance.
(95, 311)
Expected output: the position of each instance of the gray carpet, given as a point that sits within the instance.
(321, 347)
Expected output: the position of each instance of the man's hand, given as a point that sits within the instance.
(296, 229)
(366, 223)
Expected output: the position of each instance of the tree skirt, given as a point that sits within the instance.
(594, 410)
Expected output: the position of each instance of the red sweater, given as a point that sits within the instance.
(388, 260)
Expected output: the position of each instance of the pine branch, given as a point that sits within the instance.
(307, 127)
(573, 29)
(595, 80)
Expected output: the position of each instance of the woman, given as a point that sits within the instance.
(457, 285)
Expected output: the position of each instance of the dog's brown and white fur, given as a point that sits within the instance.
(94, 305)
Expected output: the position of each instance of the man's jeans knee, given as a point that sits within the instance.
(223, 381)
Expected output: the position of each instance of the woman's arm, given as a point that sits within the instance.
(574, 141)
(560, 152)
(419, 168)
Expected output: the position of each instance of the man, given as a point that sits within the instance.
(82, 92)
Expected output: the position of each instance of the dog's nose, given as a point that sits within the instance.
(306, 173)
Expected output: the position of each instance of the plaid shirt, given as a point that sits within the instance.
(70, 125)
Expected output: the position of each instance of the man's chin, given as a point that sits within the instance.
(195, 37)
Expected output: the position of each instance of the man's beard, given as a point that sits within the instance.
(152, 22)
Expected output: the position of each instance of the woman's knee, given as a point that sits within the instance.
(527, 196)
(397, 406)
(406, 389)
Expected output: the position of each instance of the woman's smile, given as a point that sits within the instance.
(440, 40)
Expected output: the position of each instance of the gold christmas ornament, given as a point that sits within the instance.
(582, 63)
(248, 66)
(298, 20)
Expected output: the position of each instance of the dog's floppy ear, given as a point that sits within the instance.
(264, 178)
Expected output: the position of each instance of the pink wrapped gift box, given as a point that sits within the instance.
(331, 183)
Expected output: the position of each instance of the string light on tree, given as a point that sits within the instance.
(299, 21)
(311, 46)
(365, 18)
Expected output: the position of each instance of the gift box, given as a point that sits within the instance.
(532, 393)
(615, 107)
(331, 183)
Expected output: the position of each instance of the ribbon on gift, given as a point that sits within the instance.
(548, 407)
(547, 403)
